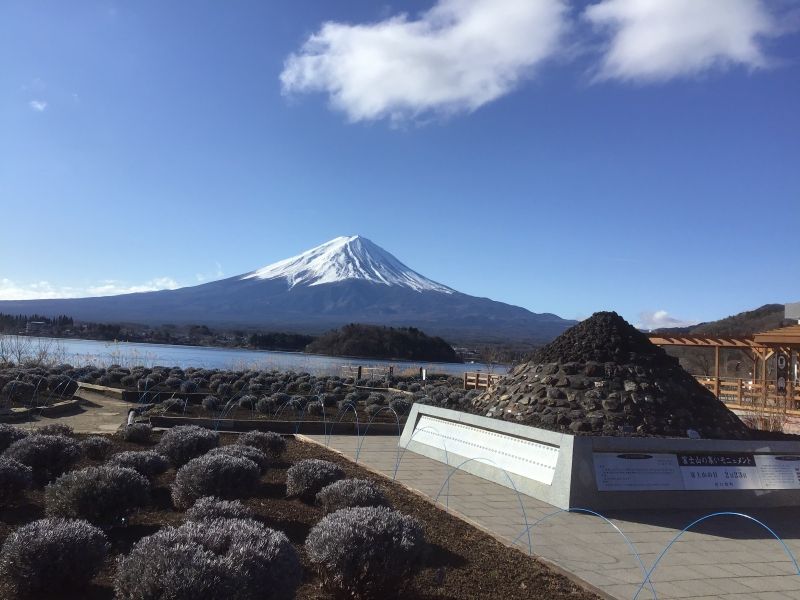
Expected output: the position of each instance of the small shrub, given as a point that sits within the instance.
(349, 493)
(314, 408)
(211, 403)
(401, 406)
(176, 405)
(55, 429)
(222, 475)
(248, 402)
(366, 552)
(189, 387)
(209, 508)
(266, 406)
(146, 462)
(10, 434)
(19, 391)
(242, 451)
(306, 478)
(14, 478)
(95, 447)
(236, 559)
(137, 433)
(48, 455)
(268, 442)
(101, 495)
(52, 554)
(185, 442)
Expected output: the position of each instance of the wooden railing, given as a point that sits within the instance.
(748, 393)
(479, 381)
(361, 372)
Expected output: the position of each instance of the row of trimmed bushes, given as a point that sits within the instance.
(361, 548)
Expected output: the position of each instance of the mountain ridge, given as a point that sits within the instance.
(345, 280)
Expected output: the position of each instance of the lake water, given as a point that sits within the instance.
(78, 352)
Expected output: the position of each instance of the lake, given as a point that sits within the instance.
(78, 352)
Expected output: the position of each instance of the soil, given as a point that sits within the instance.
(463, 562)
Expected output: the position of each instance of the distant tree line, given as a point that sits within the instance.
(374, 341)
(280, 341)
(16, 323)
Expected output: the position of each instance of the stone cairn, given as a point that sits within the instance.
(604, 377)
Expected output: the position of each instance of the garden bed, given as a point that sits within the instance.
(463, 562)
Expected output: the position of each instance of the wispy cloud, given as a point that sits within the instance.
(457, 56)
(10, 290)
(656, 40)
(38, 105)
(217, 274)
(660, 318)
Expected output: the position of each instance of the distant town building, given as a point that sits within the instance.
(35, 326)
(793, 311)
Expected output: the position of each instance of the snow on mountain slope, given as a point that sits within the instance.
(347, 258)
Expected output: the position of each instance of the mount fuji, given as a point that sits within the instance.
(348, 279)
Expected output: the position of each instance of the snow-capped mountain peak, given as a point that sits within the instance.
(347, 258)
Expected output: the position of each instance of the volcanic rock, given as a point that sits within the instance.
(604, 377)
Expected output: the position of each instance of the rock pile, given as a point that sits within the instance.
(604, 377)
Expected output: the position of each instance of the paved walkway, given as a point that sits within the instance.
(97, 414)
(724, 558)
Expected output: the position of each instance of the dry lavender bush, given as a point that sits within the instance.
(366, 552)
(349, 493)
(209, 508)
(51, 554)
(103, 495)
(185, 442)
(306, 478)
(146, 462)
(268, 442)
(14, 479)
(235, 559)
(47, 455)
(221, 475)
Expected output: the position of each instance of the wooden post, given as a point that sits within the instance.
(716, 371)
(358, 373)
(465, 380)
(739, 392)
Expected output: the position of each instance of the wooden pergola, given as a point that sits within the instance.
(760, 347)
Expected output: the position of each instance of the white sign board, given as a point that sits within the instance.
(779, 472)
(696, 471)
(636, 472)
(526, 458)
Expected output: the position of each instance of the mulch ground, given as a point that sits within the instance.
(463, 562)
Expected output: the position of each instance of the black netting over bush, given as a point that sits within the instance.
(55, 429)
(51, 554)
(367, 552)
(236, 559)
(306, 478)
(221, 475)
(209, 508)
(48, 455)
(101, 495)
(146, 462)
(185, 442)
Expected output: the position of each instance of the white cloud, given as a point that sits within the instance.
(9, 290)
(656, 40)
(660, 318)
(457, 56)
(218, 274)
(38, 105)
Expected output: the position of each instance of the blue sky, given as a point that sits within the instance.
(568, 157)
